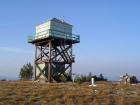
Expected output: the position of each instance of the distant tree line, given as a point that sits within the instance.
(83, 78)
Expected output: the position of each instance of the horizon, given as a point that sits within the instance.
(111, 78)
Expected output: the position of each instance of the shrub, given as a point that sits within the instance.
(80, 79)
(3, 80)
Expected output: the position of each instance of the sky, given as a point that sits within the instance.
(109, 34)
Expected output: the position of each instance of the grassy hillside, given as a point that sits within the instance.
(33, 93)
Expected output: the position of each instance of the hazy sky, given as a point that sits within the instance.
(109, 31)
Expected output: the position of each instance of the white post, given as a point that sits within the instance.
(73, 78)
(92, 82)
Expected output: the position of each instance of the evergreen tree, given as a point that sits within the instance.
(89, 77)
(80, 79)
(95, 78)
(101, 77)
(26, 71)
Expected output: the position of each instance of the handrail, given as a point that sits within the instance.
(54, 33)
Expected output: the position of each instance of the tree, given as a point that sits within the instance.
(26, 72)
(95, 78)
(89, 77)
(83, 78)
(80, 79)
(101, 78)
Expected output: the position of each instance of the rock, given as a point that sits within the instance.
(126, 79)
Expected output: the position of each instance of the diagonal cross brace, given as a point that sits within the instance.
(60, 52)
(67, 54)
(41, 71)
(42, 52)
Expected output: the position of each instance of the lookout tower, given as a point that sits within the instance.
(53, 42)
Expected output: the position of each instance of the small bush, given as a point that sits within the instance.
(3, 80)
(80, 79)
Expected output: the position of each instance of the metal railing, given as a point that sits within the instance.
(54, 33)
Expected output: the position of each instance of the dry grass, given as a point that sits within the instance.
(32, 93)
